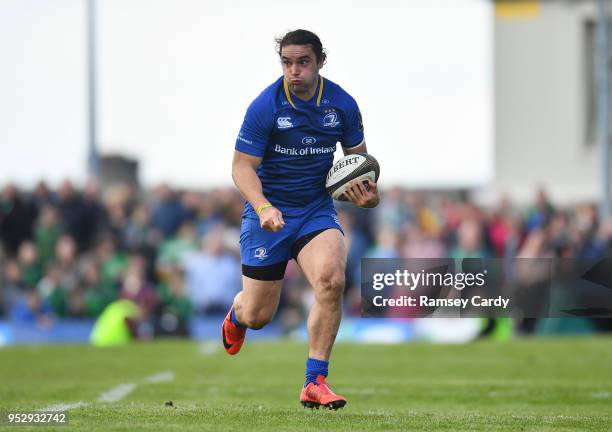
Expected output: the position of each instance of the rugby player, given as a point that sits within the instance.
(283, 152)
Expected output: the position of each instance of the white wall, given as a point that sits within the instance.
(541, 106)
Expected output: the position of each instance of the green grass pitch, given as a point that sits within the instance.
(539, 384)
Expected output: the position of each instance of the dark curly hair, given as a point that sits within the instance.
(303, 37)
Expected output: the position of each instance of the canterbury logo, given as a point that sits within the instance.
(284, 122)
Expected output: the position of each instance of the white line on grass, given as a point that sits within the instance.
(117, 393)
(160, 377)
(208, 348)
(114, 394)
(65, 406)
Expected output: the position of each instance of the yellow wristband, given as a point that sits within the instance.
(262, 208)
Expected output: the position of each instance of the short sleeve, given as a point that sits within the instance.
(353, 133)
(256, 127)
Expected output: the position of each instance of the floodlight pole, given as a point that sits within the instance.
(93, 159)
(603, 126)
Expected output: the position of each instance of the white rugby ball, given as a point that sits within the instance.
(360, 166)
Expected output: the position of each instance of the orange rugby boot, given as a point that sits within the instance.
(233, 336)
(319, 394)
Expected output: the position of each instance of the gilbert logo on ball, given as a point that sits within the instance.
(361, 167)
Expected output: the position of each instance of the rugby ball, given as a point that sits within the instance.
(360, 166)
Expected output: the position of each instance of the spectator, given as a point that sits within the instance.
(96, 295)
(47, 232)
(82, 215)
(29, 264)
(420, 245)
(212, 275)
(171, 251)
(52, 292)
(43, 196)
(66, 260)
(135, 287)
(501, 227)
(138, 232)
(469, 241)
(12, 285)
(540, 213)
(391, 211)
(17, 217)
(386, 246)
(30, 308)
(168, 212)
(208, 216)
(175, 308)
(111, 261)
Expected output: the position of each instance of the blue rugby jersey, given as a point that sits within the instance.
(297, 140)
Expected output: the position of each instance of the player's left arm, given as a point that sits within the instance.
(358, 193)
(353, 141)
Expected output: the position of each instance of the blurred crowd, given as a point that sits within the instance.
(70, 252)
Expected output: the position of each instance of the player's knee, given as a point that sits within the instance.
(256, 319)
(330, 287)
(258, 323)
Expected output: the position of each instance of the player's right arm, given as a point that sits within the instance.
(250, 149)
(244, 174)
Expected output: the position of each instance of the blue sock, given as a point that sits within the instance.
(234, 320)
(315, 367)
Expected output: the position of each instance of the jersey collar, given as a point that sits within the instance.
(288, 93)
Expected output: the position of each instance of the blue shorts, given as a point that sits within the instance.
(259, 247)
